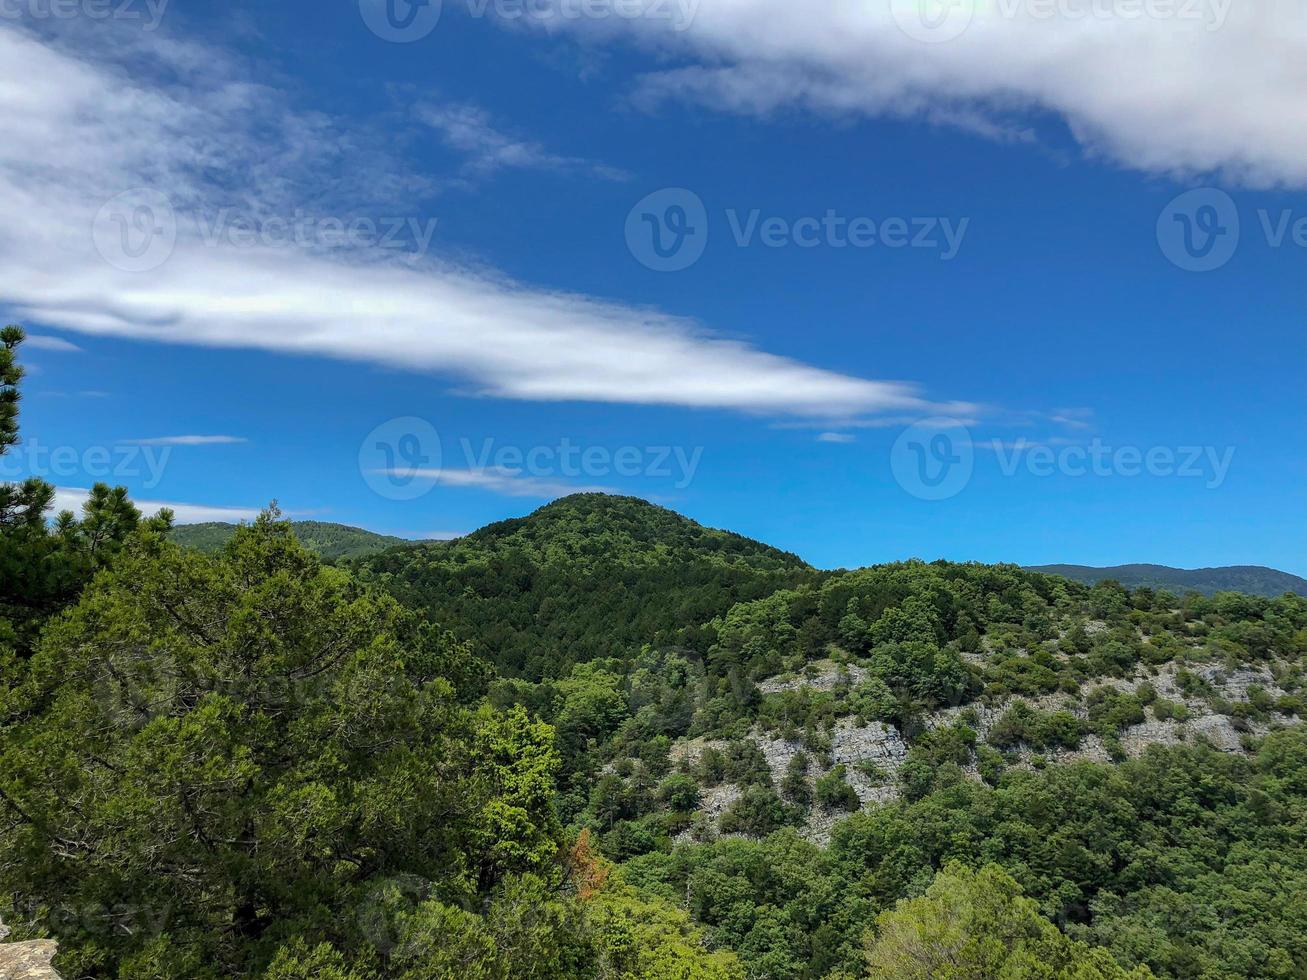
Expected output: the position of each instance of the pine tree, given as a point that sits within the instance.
(24, 504)
(43, 568)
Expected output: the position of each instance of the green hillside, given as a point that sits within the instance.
(1250, 579)
(331, 541)
(774, 771)
(586, 576)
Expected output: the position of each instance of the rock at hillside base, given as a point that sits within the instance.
(26, 961)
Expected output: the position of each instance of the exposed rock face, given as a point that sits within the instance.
(26, 961)
(877, 743)
(716, 800)
(873, 754)
(1218, 730)
(851, 745)
(822, 675)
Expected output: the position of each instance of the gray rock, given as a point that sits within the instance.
(26, 961)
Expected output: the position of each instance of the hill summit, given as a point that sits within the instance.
(596, 528)
(587, 576)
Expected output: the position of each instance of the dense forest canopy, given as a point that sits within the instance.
(587, 576)
(604, 741)
(331, 541)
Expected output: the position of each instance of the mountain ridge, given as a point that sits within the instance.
(1250, 579)
(594, 523)
(330, 540)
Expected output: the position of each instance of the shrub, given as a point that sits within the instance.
(1040, 730)
(679, 793)
(757, 812)
(712, 766)
(794, 787)
(834, 791)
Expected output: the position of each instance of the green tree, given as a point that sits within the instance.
(834, 791)
(24, 504)
(679, 793)
(976, 925)
(794, 787)
(42, 569)
(231, 749)
(757, 812)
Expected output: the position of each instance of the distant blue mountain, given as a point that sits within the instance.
(1252, 579)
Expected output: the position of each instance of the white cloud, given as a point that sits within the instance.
(72, 498)
(837, 437)
(78, 131)
(1073, 418)
(943, 416)
(188, 441)
(1172, 86)
(37, 341)
(468, 129)
(503, 481)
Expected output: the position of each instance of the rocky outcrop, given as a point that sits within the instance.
(822, 675)
(872, 754)
(26, 961)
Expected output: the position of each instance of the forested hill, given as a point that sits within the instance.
(331, 541)
(590, 529)
(787, 752)
(586, 576)
(1249, 579)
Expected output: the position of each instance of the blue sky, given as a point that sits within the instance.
(1050, 314)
